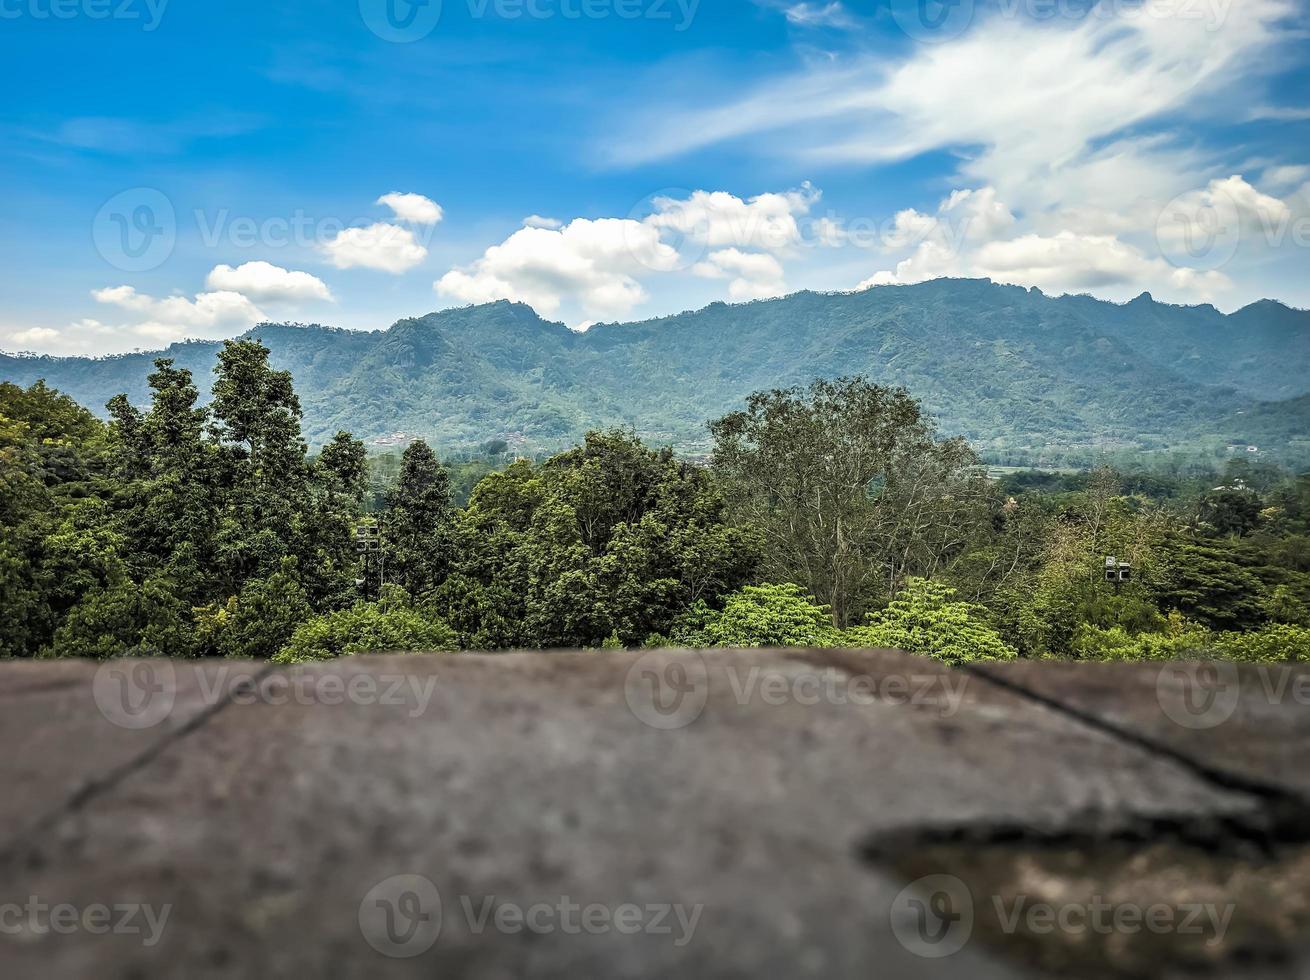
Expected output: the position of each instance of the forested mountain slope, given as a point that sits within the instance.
(1009, 368)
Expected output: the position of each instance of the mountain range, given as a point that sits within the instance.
(1020, 374)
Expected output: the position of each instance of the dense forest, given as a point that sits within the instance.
(831, 514)
(1027, 378)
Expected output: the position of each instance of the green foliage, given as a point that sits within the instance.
(759, 616)
(849, 487)
(609, 539)
(1272, 644)
(418, 535)
(1229, 510)
(1284, 605)
(1213, 583)
(927, 619)
(125, 619)
(256, 624)
(1275, 643)
(187, 529)
(388, 626)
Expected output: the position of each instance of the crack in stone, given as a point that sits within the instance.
(1282, 818)
(97, 786)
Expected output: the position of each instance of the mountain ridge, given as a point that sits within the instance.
(1009, 368)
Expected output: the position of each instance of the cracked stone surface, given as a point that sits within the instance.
(1250, 721)
(786, 813)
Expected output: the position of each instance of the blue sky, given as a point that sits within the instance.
(183, 169)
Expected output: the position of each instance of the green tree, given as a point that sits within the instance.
(418, 537)
(259, 622)
(927, 619)
(1230, 511)
(391, 625)
(760, 616)
(849, 487)
(1211, 583)
(608, 539)
(256, 424)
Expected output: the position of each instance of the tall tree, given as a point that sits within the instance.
(850, 488)
(256, 423)
(418, 537)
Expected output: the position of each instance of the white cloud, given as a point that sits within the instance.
(414, 208)
(34, 335)
(973, 235)
(1069, 262)
(718, 219)
(381, 246)
(964, 219)
(1286, 177)
(1218, 219)
(598, 265)
(816, 15)
(177, 317)
(1072, 121)
(1084, 128)
(264, 282)
(592, 263)
(755, 275)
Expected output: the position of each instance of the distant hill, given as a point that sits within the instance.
(1011, 369)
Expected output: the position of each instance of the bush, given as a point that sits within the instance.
(1118, 644)
(1273, 644)
(259, 622)
(125, 620)
(368, 627)
(926, 619)
(759, 616)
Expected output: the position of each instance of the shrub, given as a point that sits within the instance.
(367, 627)
(1117, 643)
(259, 622)
(759, 616)
(926, 619)
(1274, 644)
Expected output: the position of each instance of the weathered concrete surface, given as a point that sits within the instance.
(792, 797)
(1250, 721)
(68, 745)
